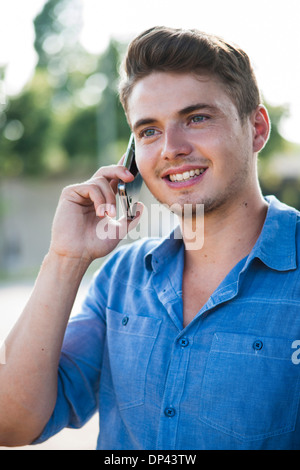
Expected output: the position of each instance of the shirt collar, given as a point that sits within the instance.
(167, 249)
(275, 247)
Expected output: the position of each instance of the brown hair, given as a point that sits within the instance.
(190, 51)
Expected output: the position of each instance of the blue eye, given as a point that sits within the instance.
(198, 118)
(148, 133)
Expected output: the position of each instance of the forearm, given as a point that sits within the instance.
(29, 377)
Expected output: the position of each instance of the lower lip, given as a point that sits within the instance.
(184, 183)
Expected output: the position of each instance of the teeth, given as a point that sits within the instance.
(186, 174)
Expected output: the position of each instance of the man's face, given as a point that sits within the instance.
(191, 146)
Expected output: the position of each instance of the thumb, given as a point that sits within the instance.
(126, 225)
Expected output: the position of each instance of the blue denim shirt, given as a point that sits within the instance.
(225, 381)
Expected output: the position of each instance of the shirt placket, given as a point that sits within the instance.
(174, 387)
(178, 364)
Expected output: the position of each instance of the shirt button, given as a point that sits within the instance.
(184, 342)
(257, 345)
(125, 321)
(170, 412)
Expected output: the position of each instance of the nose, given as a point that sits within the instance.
(175, 144)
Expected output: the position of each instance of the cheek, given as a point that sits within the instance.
(212, 142)
(142, 167)
(146, 163)
(230, 147)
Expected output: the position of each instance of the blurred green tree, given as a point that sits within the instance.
(34, 123)
(101, 126)
(277, 143)
(96, 123)
(57, 28)
(24, 136)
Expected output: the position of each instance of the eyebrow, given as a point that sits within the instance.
(197, 107)
(181, 112)
(143, 122)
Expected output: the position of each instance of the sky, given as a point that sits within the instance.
(268, 30)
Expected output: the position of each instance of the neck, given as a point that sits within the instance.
(226, 235)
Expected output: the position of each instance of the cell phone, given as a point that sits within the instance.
(129, 192)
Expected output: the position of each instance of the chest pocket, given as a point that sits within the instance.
(130, 340)
(250, 389)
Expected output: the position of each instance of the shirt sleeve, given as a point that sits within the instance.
(80, 364)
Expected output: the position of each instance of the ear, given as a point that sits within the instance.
(261, 128)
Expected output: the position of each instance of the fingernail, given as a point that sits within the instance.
(101, 210)
(112, 210)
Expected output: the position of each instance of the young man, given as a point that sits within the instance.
(177, 348)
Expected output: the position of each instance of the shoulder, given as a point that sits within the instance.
(280, 212)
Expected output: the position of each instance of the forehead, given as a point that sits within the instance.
(164, 93)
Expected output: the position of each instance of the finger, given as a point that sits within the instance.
(107, 200)
(105, 187)
(114, 172)
(114, 185)
(94, 193)
(113, 176)
(108, 190)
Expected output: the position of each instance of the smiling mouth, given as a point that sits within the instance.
(186, 175)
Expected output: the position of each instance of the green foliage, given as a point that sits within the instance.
(276, 143)
(56, 30)
(80, 136)
(24, 138)
(68, 118)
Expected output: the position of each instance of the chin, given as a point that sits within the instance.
(192, 208)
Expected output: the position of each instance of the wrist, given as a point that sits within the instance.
(66, 266)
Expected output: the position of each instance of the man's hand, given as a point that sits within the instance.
(81, 207)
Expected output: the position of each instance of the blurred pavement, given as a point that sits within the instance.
(13, 298)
